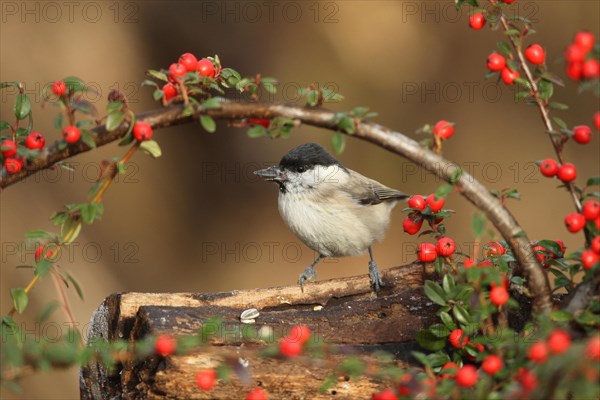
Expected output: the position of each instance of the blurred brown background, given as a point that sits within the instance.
(197, 219)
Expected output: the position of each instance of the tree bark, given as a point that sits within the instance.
(343, 314)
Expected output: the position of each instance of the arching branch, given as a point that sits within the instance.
(395, 142)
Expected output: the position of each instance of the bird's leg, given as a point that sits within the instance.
(374, 272)
(309, 273)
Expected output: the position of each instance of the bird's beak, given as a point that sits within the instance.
(273, 173)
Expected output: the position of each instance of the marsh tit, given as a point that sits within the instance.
(334, 210)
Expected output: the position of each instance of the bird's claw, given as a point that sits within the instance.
(309, 274)
(374, 276)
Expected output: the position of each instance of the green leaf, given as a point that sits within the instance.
(88, 212)
(593, 181)
(420, 357)
(74, 84)
(443, 190)
(439, 331)
(270, 84)
(148, 82)
(504, 48)
(157, 94)
(347, 125)
(257, 131)
(114, 120)
(546, 89)
(461, 314)
(70, 225)
(429, 341)
(560, 122)
(47, 311)
(338, 142)
(477, 224)
(448, 283)
(552, 77)
(211, 104)
(523, 82)
(558, 106)
(88, 139)
(435, 293)
(551, 246)
(456, 174)
(39, 234)
(22, 106)
(58, 121)
(312, 98)
(8, 84)
(20, 299)
(4, 126)
(76, 285)
(157, 74)
(208, 123)
(561, 316)
(151, 148)
(447, 320)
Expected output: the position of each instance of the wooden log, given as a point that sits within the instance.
(343, 314)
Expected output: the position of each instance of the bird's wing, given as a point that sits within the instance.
(369, 192)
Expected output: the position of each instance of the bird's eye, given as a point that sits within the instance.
(300, 169)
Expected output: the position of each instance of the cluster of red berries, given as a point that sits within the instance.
(558, 342)
(187, 63)
(12, 162)
(293, 344)
(577, 221)
(497, 63)
(422, 209)
(545, 256)
(580, 64)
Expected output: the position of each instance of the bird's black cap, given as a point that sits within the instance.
(308, 155)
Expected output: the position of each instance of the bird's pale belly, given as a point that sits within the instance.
(333, 230)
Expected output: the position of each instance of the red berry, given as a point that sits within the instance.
(445, 247)
(535, 54)
(549, 167)
(8, 148)
(206, 379)
(508, 1)
(13, 165)
(589, 258)
(458, 338)
(596, 245)
(59, 88)
(405, 385)
(494, 249)
(495, 62)
(575, 70)
(468, 263)
(485, 263)
(574, 53)
(538, 352)
(447, 372)
(300, 333)
(541, 253)
(492, 364)
(290, 347)
(387, 394)
(165, 345)
(561, 244)
(34, 140)
(417, 202)
(427, 252)
(597, 120)
(582, 134)
(591, 210)
(467, 376)
(592, 349)
(590, 69)
(169, 90)
(177, 70)
(206, 68)
(71, 134)
(257, 394)
(567, 172)
(574, 222)
(527, 379)
(443, 129)
(435, 205)
(509, 76)
(259, 121)
(499, 295)
(411, 225)
(189, 61)
(585, 40)
(142, 131)
(504, 283)
(40, 250)
(477, 21)
(559, 341)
